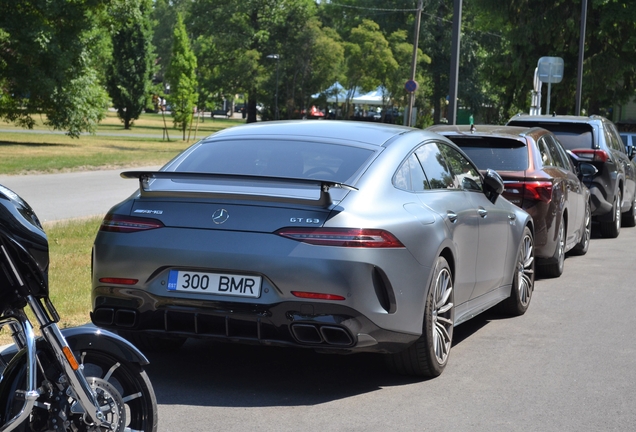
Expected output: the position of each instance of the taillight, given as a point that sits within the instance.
(591, 155)
(128, 224)
(540, 190)
(343, 237)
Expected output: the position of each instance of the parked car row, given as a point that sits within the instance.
(538, 177)
(596, 140)
(347, 237)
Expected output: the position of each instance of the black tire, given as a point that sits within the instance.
(612, 228)
(522, 280)
(153, 343)
(130, 381)
(584, 243)
(428, 356)
(628, 219)
(553, 267)
(125, 393)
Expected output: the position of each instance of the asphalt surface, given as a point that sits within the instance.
(56, 197)
(568, 364)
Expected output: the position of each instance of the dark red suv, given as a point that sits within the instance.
(539, 177)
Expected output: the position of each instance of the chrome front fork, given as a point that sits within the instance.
(26, 337)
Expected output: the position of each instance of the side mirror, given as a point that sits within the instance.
(630, 151)
(493, 185)
(587, 170)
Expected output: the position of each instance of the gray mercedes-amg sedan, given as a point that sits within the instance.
(332, 235)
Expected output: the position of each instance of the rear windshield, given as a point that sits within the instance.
(277, 158)
(500, 154)
(571, 135)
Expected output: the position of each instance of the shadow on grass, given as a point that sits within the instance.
(32, 144)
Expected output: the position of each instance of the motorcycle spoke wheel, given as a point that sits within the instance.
(123, 383)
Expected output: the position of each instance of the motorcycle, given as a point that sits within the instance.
(75, 379)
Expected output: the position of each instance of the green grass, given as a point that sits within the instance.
(70, 242)
(46, 151)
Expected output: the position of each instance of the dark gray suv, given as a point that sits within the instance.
(596, 140)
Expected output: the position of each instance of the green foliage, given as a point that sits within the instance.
(46, 64)
(531, 30)
(182, 78)
(131, 69)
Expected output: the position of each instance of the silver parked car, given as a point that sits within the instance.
(337, 236)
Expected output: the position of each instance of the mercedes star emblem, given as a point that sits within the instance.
(220, 216)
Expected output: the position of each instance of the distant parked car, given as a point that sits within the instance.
(538, 177)
(595, 139)
(336, 236)
(629, 139)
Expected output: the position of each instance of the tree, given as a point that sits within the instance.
(534, 29)
(164, 17)
(369, 59)
(131, 69)
(181, 76)
(47, 64)
(243, 34)
(319, 64)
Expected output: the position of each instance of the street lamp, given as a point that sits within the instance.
(277, 57)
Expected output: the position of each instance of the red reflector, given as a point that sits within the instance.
(531, 190)
(343, 237)
(317, 296)
(592, 155)
(119, 281)
(128, 224)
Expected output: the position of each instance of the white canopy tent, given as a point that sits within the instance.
(336, 93)
(374, 97)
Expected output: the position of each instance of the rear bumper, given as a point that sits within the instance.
(320, 326)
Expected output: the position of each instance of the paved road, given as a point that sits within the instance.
(569, 364)
(70, 195)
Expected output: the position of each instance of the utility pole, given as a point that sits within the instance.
(416, 38)
(579, 75)
(454, 72)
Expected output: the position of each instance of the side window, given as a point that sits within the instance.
(546, 157)
(564, 155)
(410, 176)
(557, 157)
(618, 142)
(437, 172)
(612, 141)
(466, 175)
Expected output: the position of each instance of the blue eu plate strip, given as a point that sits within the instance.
(172, 280)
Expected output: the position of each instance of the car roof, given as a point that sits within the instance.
(557, 118)
(494, 131)
(369, 133)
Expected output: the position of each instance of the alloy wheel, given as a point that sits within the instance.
(442, 316)
(617, 216)
(525, 271)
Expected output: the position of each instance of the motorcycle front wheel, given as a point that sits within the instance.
(131, 383)
(123, 390)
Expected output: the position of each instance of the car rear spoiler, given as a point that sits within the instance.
(324, 186)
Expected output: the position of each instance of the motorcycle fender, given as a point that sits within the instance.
(93, 338)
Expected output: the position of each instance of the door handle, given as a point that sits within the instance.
(482, 212)
(452, 216)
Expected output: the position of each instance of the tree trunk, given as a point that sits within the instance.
(251, 110)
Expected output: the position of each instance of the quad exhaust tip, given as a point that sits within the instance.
(321, 334)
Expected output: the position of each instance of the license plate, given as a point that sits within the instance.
(215, 283)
